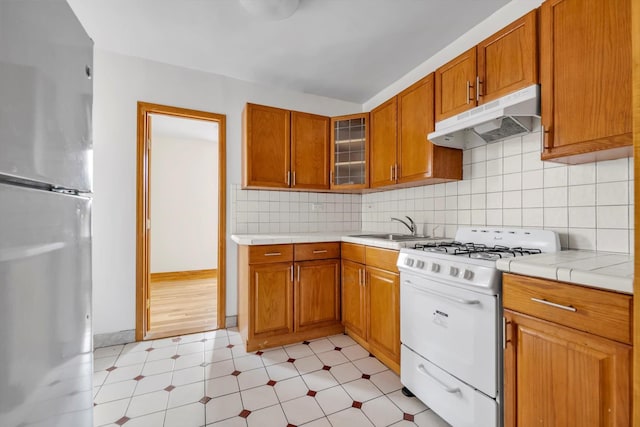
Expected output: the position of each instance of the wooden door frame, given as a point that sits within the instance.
(142, 211)
(635, 44)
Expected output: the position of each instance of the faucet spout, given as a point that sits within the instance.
(411, 225)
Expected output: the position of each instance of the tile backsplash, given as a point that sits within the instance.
(260, 211)
(505, 185)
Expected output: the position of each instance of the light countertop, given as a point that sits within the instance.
(605, 270)
(330, 236)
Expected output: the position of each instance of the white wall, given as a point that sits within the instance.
(119, 82)
(184, 203)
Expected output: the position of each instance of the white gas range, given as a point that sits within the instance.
(451, 320)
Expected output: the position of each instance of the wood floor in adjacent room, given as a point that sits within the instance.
(182, 305)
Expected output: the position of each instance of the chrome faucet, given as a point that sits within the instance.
(412, 227)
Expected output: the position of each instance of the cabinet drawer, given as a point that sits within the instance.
(602, 313)
(311, 251)
(270, 253)
(353, 252)
(382, 258)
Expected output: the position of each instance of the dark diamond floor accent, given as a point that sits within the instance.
(230, 346)
(236, 373)
(326, 368)
(291, 360)
(306, 342)
(139, 377)
(150, 349)
(366, 376)
(113, 368)
(169, 388)
(122, 420)
(291, 425)
(174, 357)
(312, 393)
(408, 417)
(356, 404)
(271, 383)
(371, 355)
(337, 348)
(205, 400)
(259, 353)
(245, 413)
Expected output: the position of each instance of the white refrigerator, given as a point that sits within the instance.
(45, 216)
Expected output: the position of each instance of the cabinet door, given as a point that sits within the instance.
(384, 121)
(350, 151)
(455, 85)
(353, 310)
(383, 316)
(562, 377)
(317, 294)
(266, 144)
(271, 297)
(415, 121)
(508, 60)
(585, 74)
(310, 139)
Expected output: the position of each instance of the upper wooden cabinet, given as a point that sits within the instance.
(400, 150)
(501, 64)
(508, 60)
(266, 147)
(284, 149)
(350, 151)
(310, 150)
(384, 122)
(455, 85)
(585, 72)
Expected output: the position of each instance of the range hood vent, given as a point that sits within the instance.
(506, 117)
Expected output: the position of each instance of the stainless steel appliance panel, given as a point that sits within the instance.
(45, 308)
(46, 93)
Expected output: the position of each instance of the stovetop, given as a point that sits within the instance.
(469, 260)
(476, 250)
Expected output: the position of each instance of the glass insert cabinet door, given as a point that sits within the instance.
(349, 151)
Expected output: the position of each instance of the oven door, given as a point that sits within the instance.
(453, 328)
(456, 402)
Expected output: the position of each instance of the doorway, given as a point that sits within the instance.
(181, 221)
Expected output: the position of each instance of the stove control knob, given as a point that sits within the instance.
(420, 264)
(408, 262)
(453, 271)
(468, 274)
(435, 267)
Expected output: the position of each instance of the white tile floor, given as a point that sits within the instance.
(209, 380)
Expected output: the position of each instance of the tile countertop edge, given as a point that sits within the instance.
(560, 268)
(339, 236)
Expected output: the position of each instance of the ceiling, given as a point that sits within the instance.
(343, 49)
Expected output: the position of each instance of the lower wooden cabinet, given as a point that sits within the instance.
(288, 293)
(317, 294)
(371, 300)
(556, 375)
(271, 296)
(383, 314)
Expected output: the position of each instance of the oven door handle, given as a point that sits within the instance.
(441, 295)
(445, 387)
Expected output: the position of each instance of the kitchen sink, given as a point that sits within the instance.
(394, 237)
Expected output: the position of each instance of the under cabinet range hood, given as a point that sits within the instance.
(506, 117)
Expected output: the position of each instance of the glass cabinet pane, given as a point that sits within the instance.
(350, 151)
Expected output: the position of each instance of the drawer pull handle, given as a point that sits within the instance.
(442, 295)
(319, 251)
(553, 304)
(445, 387)
(272, 254)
